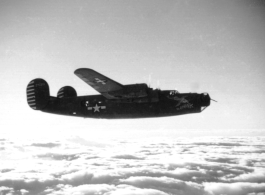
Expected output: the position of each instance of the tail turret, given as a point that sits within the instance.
(38, 94)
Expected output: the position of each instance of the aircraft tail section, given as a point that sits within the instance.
(38, 94)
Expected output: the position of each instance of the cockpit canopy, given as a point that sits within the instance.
(173, 92)
(205, 99)
(131, 91)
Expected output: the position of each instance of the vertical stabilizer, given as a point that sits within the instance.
(38, 94)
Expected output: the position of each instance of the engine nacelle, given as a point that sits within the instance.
(66, 92)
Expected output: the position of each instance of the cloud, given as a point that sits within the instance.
(124, 167)
(24, 192)
(131, 190)
(5, 170)
(95, 189)
(54, 156)
(5, 190)
(223, 160)
(234, 188)
(165, 184)
(33, 185)
(127, 156)
(104, 189)
(258, 176)
(216, 144)
(77, 178)
(46, 145)
(81, 141)
(202, 172)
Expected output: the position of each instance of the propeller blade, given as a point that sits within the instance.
(149, 80)
(213, 100)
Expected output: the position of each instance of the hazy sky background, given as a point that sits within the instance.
(192, 46)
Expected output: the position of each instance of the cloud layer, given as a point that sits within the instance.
(210, 166)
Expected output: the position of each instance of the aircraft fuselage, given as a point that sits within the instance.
(97, 106)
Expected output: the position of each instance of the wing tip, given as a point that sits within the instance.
(77, 71)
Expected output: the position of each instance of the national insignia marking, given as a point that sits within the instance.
(103, 82)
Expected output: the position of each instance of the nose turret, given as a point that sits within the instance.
(205, 99)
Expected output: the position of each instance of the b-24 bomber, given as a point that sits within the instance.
(116, 101)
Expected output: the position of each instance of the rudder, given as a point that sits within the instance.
(38, 94)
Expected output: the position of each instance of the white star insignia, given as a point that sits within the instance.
(96, 108)
(103, 82)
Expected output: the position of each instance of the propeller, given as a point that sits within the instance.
(213, 100)
(158, 84)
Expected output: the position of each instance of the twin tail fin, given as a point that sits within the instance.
(38, 94)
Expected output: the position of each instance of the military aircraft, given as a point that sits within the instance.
(116, 101)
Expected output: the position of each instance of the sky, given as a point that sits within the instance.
(192, 46)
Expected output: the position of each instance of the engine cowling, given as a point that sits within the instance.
(66, 92)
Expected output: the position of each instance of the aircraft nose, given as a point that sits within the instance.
(205, 99)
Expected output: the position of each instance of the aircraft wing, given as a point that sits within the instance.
(98, 81)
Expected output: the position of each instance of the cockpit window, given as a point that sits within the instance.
(173, 92)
